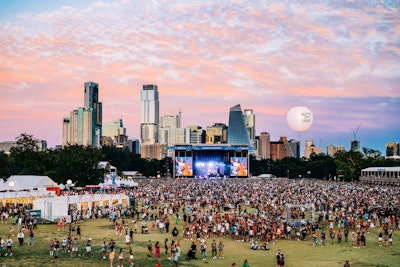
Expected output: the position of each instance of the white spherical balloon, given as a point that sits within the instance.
(299, 118)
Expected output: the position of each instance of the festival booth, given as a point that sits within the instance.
(54, 207)
(23, 189)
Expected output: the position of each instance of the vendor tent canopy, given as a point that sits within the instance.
(26, 182)
(57, 207)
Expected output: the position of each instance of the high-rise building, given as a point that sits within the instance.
(197, 135)
(331, 150)
(171, 121)
(250, 122)
(150, 114)
(264, 146)
(294, 148)
(77, 128)
(91, 103)
(133, 145)
(355, 146)
(217, 133)
(83, 126)
(114, 133)
(311, 149)
(392, 149)
(237, 131)
(279, 149)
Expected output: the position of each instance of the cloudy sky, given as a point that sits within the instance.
(339, 58)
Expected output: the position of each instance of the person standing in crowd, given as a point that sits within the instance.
(51, 247)
(221, 250)
(149, 249)
(214, 249)
(31, 239)
(111, 257)
(166, 246)
(104, 249)
(1, 246)
(278, 258)
(177, 256)
(120, 258)
(204, 250)
(88, 246)
(157, 253)
(20, 237)
(78, 232)
(9, 246)
(131, 257)
(128, 240)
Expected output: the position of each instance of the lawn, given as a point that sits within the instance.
(297, 253)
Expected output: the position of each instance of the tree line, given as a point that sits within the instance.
(81, 164)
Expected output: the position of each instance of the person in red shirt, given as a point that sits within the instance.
(158, 264)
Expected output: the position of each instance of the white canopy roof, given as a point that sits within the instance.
(26, 182)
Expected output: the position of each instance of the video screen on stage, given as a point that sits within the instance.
(238, 166)
(184, 166)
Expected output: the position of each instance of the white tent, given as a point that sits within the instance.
(26, 182)
(54, 207)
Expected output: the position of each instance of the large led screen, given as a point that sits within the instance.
(183, 166)
(239, 166)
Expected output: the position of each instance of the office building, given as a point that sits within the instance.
(171, 121)
(264, 146)
(294, 148)
(311, 149)
(278, 149)
(217, 133)
(91, 103)
(83, 126)
(237, 131)
(250, 122)
(150, 114)
(355, 146)
(331, 150)
(114, 134)
(197, 135)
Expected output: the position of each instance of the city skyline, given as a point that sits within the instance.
(340, 59)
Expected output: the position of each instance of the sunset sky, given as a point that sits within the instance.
(341, 59)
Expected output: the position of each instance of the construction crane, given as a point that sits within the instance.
(355, 131)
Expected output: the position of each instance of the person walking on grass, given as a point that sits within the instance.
(131, 257)
(221, 250)
(9, 246)
(88, 246)
(157, 253)
(245, 263)
(104, 249)
(120, 258)
(111, 257)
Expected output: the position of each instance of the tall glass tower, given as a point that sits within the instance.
(92, 104)
(150, 114)
(237, 131)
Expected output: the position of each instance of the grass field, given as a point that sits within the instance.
(297, 253)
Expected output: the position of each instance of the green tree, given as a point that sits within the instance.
(349, 164)
(321, 166)
(25, 157)
(4, 165)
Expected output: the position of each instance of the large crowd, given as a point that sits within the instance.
(245, 210)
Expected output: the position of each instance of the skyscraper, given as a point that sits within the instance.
(250, 122)
(150, 114)
(84, 125)
(237, 131)
(264, 146)
(91, 103)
